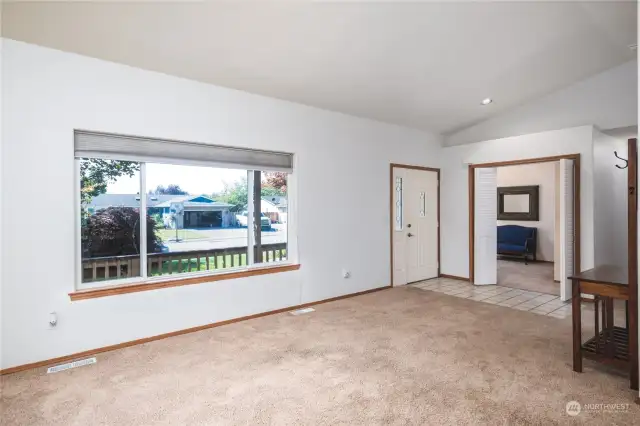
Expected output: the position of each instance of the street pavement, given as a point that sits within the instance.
(224, 238)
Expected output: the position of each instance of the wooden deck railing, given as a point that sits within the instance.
(113, 267)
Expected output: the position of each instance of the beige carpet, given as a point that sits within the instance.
(399, 356)
(536, 276)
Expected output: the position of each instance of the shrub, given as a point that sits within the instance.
(115, 231)
(159, 222)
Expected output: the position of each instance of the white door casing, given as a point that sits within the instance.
(485, 229)
(566, 226)
(415, 225)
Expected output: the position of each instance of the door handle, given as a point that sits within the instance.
(409, 234)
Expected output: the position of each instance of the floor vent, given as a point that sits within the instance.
(302, 311)
(70, 365)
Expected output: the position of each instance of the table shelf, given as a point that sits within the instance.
(596, 347)
(616, 346)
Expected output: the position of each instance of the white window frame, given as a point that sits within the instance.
(292, 257)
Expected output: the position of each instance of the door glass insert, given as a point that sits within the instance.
(399, 204)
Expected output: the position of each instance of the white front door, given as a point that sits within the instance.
(415, 225)
(485, 227)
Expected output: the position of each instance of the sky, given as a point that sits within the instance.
(195, 180)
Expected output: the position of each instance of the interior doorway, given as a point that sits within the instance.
(528, 226)
(508, 232)
(415, 223)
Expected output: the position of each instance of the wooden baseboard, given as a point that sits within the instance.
(109, 348)
(453, 277)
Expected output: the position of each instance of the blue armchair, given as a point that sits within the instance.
(515, 240)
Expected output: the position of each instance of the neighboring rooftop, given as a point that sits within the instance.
(133, 200)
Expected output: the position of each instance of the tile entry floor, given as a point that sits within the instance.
(522, 300)
(536, 276)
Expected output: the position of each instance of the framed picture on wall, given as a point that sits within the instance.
(518, 203)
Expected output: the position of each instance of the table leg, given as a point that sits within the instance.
(604, 319)
(633, 341)
(596, 305)
(577, 325)
(626, 314)
(610, 348)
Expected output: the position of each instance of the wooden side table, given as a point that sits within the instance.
(610, 344)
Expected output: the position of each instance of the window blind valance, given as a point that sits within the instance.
(133, 148)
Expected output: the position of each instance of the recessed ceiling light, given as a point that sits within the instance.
(486, 101)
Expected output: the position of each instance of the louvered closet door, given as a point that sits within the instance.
(566, 226)
(486, 227)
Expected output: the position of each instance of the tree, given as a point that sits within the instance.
(234, 193)
(96, 174)
(115, 231)
(171, 189)
(274, 183)
(268, 191)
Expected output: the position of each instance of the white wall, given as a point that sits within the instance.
(610, 201)
(48, 93)
(607, 100)
(455, 195)
(543, 175)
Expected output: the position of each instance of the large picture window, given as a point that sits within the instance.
(172, 217)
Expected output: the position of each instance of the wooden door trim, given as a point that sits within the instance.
(391, 215)
(632, 242)
(576, 202)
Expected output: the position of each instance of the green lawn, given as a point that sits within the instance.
(183, 234)
(183, 265)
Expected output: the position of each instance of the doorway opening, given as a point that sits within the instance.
(414, 223)
(528, 227)
(524, 224)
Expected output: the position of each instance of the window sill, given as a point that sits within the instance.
(177, 282)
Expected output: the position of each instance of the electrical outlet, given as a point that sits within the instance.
(53, 320)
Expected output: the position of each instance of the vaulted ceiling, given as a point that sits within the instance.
(421, 65)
